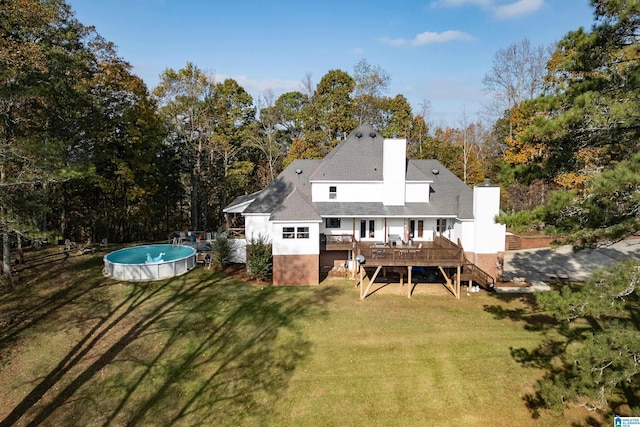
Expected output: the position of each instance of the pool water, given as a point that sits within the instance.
(138, 254)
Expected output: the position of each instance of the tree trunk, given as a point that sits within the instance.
(195, 202)
(6, 246)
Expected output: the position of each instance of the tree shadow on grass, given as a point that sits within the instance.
(556, 336)
(188, 350)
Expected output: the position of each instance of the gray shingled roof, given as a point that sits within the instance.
(277, 191)
(359, 158)
(240, 200)
(449, 194)
(295, 207)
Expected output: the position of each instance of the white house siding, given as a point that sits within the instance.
(347, 191)
(257, 226)
(489, 236)
(465, 231)
(396, 226)
(238, 251)
(417, 192)
(296, 246)
(346, 227)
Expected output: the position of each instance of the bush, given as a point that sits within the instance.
(259, 261)
(222, 247)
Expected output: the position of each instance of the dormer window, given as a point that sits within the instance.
(333, 192)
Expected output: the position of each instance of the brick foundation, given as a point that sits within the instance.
(296, 270)
(492, 264)
(328, 259)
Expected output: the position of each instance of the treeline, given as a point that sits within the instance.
(87, 151)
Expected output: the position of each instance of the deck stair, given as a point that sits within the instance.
(473, 273)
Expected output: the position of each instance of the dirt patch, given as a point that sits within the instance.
(239, 272)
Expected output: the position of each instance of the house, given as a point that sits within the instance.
(366, 198)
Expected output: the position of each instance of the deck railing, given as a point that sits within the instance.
(425, 254)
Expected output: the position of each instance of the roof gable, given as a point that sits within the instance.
(357, 158)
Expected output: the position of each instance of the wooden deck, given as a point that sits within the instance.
(437, 253)
(440, 252)
(428, 254)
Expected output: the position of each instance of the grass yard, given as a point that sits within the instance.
(78, 349)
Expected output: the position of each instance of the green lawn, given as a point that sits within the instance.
(77, 349)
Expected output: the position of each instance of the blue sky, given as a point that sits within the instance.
(434, 50)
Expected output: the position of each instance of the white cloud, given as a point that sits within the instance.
(520, 7)
(501, 9)
(428, 37)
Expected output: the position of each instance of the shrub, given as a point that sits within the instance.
(259, 261)
(222, 247)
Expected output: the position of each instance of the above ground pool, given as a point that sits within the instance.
(149, 262)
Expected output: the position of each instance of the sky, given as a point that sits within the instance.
(435, 51)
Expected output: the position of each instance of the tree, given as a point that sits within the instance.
(371, 84)
(232, 129)
(183, 96)
(595, 356)
(517, 74)
(329, 116)
(420, 129)
(590, 120)
(395, 117)
(45, 67)
(589, 127)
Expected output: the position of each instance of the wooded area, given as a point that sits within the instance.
(88, 152)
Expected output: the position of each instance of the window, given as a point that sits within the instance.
(295, 232)
(333, 192)
(288, 233)
(302, 233)
(332, 222)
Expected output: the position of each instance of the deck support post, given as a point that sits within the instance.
(410, 283)
(373, 279)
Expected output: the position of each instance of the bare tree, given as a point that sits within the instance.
(267, 143)
(307, 86)
(424, 124)
(517, 74)
(371, 84)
